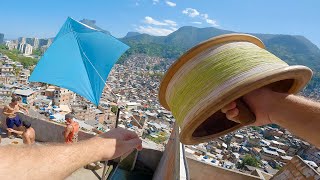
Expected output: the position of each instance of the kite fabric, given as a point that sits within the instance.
(79, 59)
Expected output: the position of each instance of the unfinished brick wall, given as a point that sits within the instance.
(297, 169)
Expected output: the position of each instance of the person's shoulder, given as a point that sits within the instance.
(69, 126)
(30, 130)
(25, 134)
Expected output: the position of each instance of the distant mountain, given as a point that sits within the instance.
(131, 34)
(290, 48)
(92, 23)
(293, 49)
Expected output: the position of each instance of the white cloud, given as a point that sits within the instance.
(212, 22)
(171, 4)
(156, 31)
(208, 20)
(170, 22)
(150, 20)
(191, 12)
(194, 13)
(173, 28)
(167, 22)
(196, 22)
(154, 2)
(157, 27)
(205, 16)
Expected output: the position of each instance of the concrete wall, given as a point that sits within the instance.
(200, 170)
(296, 169)
(46, 131)
(169, 165)
(150, 158)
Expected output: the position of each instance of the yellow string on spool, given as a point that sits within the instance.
(219, 71)
(212, 71)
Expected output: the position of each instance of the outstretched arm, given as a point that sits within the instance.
(297, 114)
(15, 131)
(60, 160)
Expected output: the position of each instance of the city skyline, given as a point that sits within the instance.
(159, 17)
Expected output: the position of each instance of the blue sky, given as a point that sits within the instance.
(43, 18)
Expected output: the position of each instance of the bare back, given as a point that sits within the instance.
(29, 136)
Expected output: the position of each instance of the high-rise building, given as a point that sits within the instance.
(24, 48)
(43, 42)
(36, 43)
(30, 41)
(1, 38)
(12, 45)
(28, 49)
(22, 40)
(20, 47)
(49, 42)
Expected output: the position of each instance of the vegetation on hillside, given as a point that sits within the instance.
(249, 160)
(295, 50)
(37, 52)
(151, 49)
(15, 55)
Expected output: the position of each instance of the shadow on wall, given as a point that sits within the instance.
(46, 131)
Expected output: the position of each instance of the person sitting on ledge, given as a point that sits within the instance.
(10, 111)
(299, 115)
(28, 134)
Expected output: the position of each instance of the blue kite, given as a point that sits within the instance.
(79, 59)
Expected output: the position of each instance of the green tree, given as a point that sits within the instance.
(256, 128)
(3, 47)
(278, 167)
(37, 52)
(16, 56)
(114, 109)
(250, 160)
(158, 140)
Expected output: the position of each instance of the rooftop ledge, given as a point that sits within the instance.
(150, 162)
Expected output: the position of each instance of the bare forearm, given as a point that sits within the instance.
(299, 115)
(48, 162)
(18, 132)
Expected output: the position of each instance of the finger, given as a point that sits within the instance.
(229, 106)
(232, 113)
(133, 143)
(130, 135)
(139, 148)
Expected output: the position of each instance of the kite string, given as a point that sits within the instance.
(79, 45)
(100, 76)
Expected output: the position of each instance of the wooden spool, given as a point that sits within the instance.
(205, 121)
